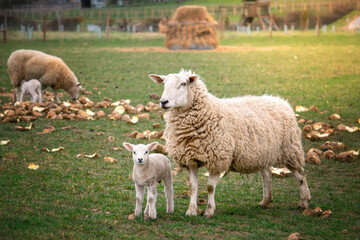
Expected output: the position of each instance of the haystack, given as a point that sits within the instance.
(191, 27)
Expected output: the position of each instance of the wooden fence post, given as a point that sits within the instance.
(271, 26)
(317, 25)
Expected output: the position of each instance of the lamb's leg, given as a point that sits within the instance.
(151, 199)
(193, 175)
(304, 189)
(211, 186)
(39, 95)
(139, 198)
(267, 188)
(169, 192)
(56, 97)
(34, 96)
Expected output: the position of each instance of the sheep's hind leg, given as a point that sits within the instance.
(304, 189)
(16, 94)
(193, 175)
(211, 186)
(267, 188)
(139, 198)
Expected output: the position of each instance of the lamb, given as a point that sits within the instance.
(51, 71)
(32, 88)
(149, 169)
(245, 134)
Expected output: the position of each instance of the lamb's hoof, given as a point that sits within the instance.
(170, 211)
(191, 213)
(209, 213)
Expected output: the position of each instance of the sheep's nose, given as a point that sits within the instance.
(164, 102)
(140, 160)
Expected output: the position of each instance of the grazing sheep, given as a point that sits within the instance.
(244, 134)
(32, 88)
(51, 71)
(149, 169)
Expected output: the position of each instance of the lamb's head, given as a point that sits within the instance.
(140, 151)
(176, 88)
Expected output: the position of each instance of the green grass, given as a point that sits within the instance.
(79, 198)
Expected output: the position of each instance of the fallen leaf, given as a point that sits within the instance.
(280, 172)
(335, 116)
(201, 201)
(326, 213)
(66, 128)
(131, 216)
(301, 109)
(351, 129)
(294, 236)
(329, 154)
(317, 211)
(21, 128)
(312, 157)
(154, 96)
(313, 109)
(38, 109)
(95, 155)
(66, 104)
(332, 146)
(119, 109)
(48, 129)
(134, 120)
(89, 112)
(156, 125)
(33, 166)
(344, 156)
(117, 148)
(110, 139)
(4, 142)
(110, 160)
(52, 150)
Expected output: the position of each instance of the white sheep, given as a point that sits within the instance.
(32, 88)
(51, 71)
(150, 169)
(244, 134)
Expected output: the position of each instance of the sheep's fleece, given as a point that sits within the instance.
(244, 134)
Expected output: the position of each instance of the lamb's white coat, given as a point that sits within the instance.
(244, 134)
(150, 169)
(32, 88)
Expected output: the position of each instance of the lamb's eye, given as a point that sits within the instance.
(134, 152)
(183, 84)
(146, 152)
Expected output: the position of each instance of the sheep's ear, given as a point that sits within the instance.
(193, 78)
(152, 146)
(128, 146)
(157, 78)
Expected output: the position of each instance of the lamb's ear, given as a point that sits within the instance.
(152, 146)
(193, 78)
(157, 78)
(128, 146)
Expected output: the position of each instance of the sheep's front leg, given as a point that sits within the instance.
(211, 186)
(56, 97)
(266, 178)
(169, 193)
(193, 175)
(151, 201)
(17, 94)
(39, 95)
(22, 96)
(304, 189)
(139, 198)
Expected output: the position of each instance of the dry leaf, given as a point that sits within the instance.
(144, 115)
(38, 109)
(313, 109)
(134, 120)
(95, 155)
(48, 129)
(301, 109)
(351, 129)
(119, 109)
(66, 104)
(280, 172)
(329, 154)
(21, 128)
(312, 157)
(332, 146)
(302, 121)
(33, 166)
(201, 201)
(4, 142)
(317, 211)
(154, 96)
(110, 160)
(335, 116)
(156, 125)
(344, 156)
(89, 112)
(294, 236)
(52, 150)
(117, 148)
(131, 216)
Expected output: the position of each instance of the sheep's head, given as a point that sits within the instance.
(75, 91)
(176, 88)
(140, 151)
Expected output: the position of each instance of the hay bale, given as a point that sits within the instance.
(191, 27)
(163, 25)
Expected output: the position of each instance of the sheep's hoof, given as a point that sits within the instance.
(147, 217)
(262, 206)
(208, 213)
(191, 213)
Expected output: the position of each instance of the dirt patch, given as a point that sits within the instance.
(219, 49)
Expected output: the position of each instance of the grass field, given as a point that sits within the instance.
(80, 198)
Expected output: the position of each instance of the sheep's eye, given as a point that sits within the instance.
(134, 152)
(183, 84)
(146, 152)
